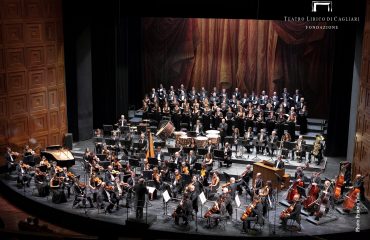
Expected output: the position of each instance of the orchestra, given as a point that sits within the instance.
(189, 170)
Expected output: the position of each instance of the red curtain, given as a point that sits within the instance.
(249, 54)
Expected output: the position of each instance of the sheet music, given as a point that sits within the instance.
(237, 200)
(166, 196)
(151, 189)
(202, 198)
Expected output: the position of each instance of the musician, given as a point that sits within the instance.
(81, 195)
(24, 175)
(256, 214)
(316, 151)
(261, 138)
(177, 159)
(212, 188)
(185, 168)
(270, 121)
(315, 178)
(236, 136)
(326, 199)
(359, 184)
(142, 143)
(67, 180)
(233, 186)
(28, 151)
(299, 173)
(122, 121)
(176, 183)
(248, 135)
(108, 195)
(191, 157)
(198, 127)
(223, 130)
(297, 97)
(108, 176)
(94, 185)
(237, 94)
(272, 143)
(158, 154)
(210, 147)
(280, 120)
(279, 162)
(117, 166)
(229, 120)
(45, 162)
(299, 176)
(193, 194)
(10, 158)
(246, 176)
(41, 183)
(214, 98)
(285, 94)
(302, 119)
(56, 186)
(258, 184)
(227, 155)
(299, 148)
(244, 101)
(208, 161)
(294, 213)
(227, 200)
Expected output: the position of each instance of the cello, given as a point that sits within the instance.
(339, 183)
(248, 211)
(313, 194)
(284, 214)
(293, 190)
(351, 197)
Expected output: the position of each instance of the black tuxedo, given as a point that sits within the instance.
(108, 178)
(142, 144)
(272, 142)
(279, 164)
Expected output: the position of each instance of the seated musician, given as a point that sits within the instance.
(57, 188)
(316, 151)
(272, 143)
(81, 195)
(185, 169)
(41, 183)
(98, 133)
(122, 121)
(107, 194)
(213, 186)
(293, 212)
(299, 148)
(208, 161)
(236, 136)
(210, 147)
(227, 155)
(254, 212)
(68, 180)
(177, 159)
(108, 176)
(198, 128)
(142, 143)
(116, 164)
(45, 162)
(28, 151)
(177, 183)
(10, 159)
(191, 158)
(279, 162)
(248, 135)
(183, 210)
(24, 175)
(326, 199)
(158, 154)
(94, 185)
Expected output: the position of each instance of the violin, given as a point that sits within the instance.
(284, 214)
(97, 181)
(248, 211)
(109, 188)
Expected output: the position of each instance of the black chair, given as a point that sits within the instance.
(197, 166)
(172, 150)
(159, 143)
(202, 151)
(102, 157)
(110, 141)
(153, 161)
(107, 130)
(29, 160)
(191, 134)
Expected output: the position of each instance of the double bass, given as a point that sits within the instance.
(339, 183)
(293, 190)
(351, 197)
(313, 195)
(248, 211)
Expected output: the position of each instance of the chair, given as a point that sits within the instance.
(257, 225)
(292, 224)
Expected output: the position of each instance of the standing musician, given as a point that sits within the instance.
(272, 143)
(223, 130)
(358, 183)
(232, 186)
(253, 212)
(210, 147)
(227, 155)
(236, 136)
(184, 209)
(246, 176)
(299, 148)
(10, 159)
(261, 139)
(94, 185)
(292, 212)
(122, 121)
(258, 184)
(193, 194)
(266, 193)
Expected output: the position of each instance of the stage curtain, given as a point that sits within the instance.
(250, 54)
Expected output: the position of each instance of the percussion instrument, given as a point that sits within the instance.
(178, 134)
(201, 141)
(165, 131)
(212, 132)
(215, 139)
(184, 140)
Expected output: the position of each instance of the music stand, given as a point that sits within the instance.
(197, 166)
(218, 155)
(110, 141)
(159, 143)
(272, 147)
(202, 151)
(134, 163)
(191, 134)
(147, 174)
(246, 143)
(186, 178)
(289, 146)
(98, 139)
(256, 144)
(187, 149)
(102, 157)
(153, 161)
(172, 150)
(172, 166)
(229, 139)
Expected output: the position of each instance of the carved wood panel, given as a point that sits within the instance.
(32, 89)
(361, 159)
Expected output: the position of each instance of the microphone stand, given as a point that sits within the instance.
(276, 201)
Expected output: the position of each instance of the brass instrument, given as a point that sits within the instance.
(203, 172)
(185, 170)
(316, 148)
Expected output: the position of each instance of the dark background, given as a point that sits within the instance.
(109, 32)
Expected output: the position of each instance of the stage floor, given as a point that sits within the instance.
(159, 223)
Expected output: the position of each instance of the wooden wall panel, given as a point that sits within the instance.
(32, 86)
(361, 159)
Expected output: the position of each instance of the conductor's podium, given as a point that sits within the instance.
(269, 172)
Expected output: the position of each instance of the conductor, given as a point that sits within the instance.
(140, 191)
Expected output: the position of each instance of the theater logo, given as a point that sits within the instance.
(322, 4)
